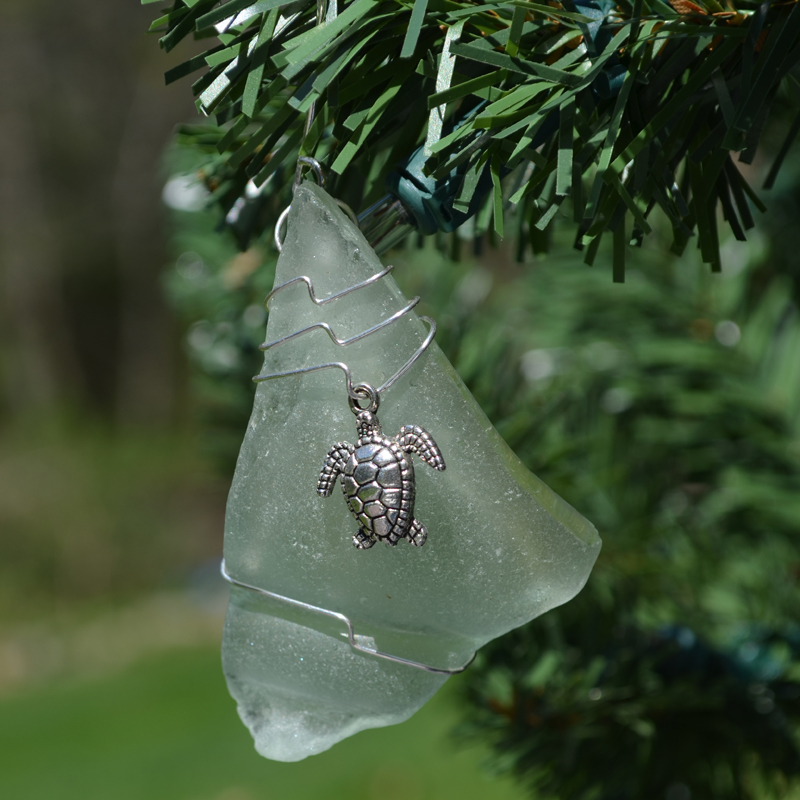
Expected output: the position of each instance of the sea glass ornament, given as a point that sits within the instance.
(501, 549)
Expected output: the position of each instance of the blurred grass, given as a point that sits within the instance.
(91, 516)
(166, 729)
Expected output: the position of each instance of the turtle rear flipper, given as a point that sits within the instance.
(362, 541)
(333, 466)
(417, 533)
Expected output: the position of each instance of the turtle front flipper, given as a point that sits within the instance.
(333, 466)
(417, 533)
(413, 439)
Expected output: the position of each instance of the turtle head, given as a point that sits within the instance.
(367, 423)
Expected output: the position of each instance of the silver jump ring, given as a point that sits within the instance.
(364, 390)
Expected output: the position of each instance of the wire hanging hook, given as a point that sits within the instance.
(310, 116)
(280, 225)
(319, 174)
(308, 161)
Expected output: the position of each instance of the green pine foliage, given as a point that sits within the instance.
(676, 672)
(621, 107)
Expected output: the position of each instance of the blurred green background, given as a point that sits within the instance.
(667, 410)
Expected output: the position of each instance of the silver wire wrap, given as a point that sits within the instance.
(334, 338)
(353, 638)
(344, 342)
(313, 294)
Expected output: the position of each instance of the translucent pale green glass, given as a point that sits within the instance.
(502, 547)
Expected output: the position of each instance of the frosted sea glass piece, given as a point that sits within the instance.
(502, 547)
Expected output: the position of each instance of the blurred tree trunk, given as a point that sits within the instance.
(39, 362)
(145, 387)
(84, 119)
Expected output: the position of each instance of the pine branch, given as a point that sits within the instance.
(622, 108)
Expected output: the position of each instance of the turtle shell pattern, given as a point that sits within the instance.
(378, 484)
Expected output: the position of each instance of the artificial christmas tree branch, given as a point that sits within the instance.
(621, 108)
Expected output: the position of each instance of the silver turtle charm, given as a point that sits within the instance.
(378, 477)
